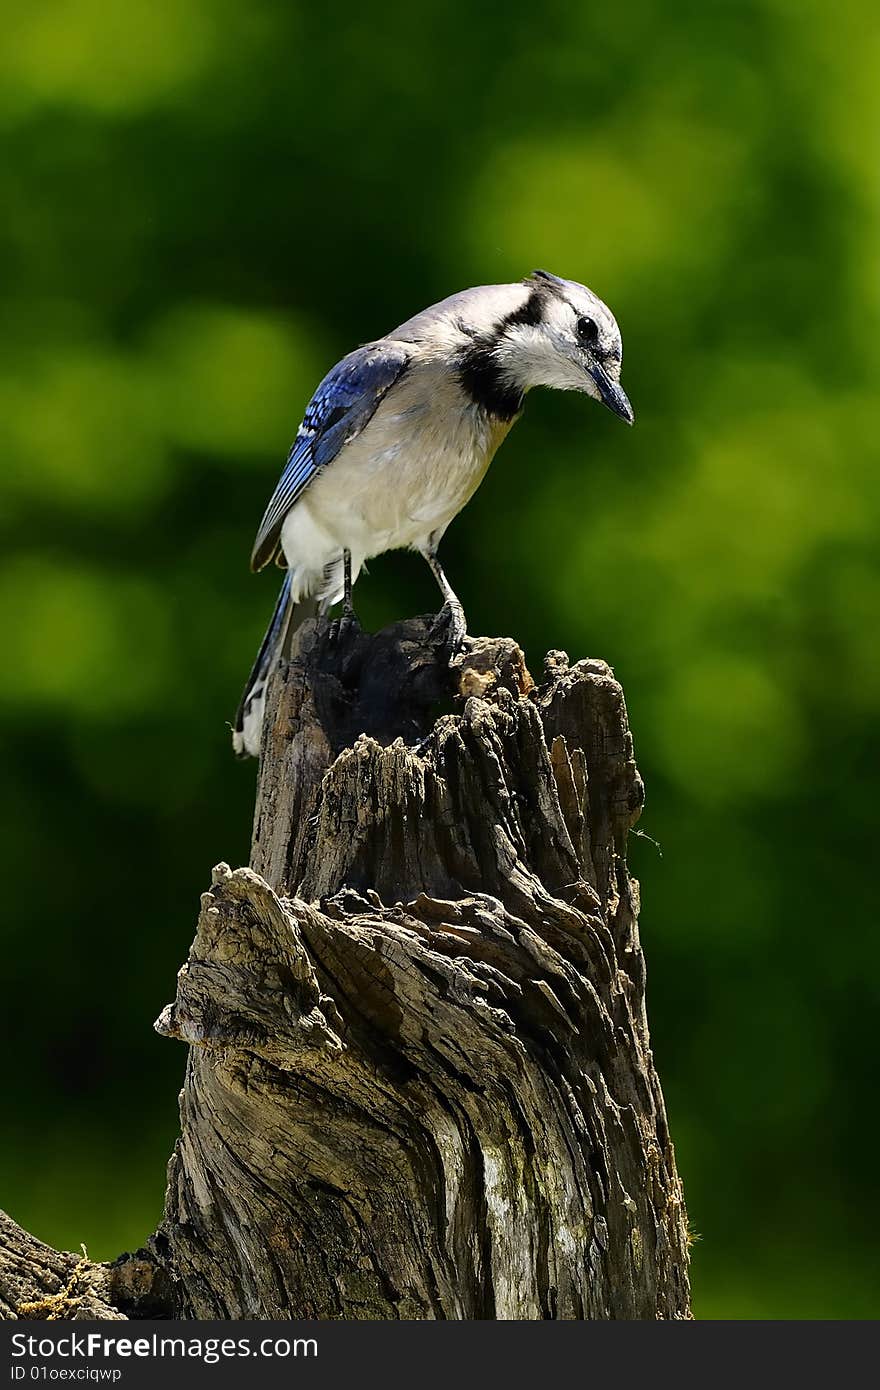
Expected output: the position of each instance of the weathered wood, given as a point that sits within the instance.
(46, 1285)
(420, 1082)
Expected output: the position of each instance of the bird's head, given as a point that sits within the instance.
(504, 339)
(563, 336)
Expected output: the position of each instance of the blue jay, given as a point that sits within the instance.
(399, 435)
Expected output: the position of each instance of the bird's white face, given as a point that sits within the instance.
(505, 339)
(572, 344)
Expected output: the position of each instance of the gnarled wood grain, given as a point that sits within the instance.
(419, 1081)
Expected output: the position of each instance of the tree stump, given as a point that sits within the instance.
(420, 1083)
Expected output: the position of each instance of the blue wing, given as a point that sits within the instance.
(343, 404)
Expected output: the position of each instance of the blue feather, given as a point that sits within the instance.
(342, 406)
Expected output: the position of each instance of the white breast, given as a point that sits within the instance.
(403, 479)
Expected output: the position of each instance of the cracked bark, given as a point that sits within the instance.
(419, 1081)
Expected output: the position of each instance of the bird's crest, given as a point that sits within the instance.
(540, 278)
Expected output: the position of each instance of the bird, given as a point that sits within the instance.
(399, 435)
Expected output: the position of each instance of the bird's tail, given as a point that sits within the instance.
(287, 617)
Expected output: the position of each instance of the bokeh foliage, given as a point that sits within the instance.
(205, 203)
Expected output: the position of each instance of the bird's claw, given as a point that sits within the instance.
(343, 628)
(451, 625)
(349, 624)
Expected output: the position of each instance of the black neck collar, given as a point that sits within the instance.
(487, 387)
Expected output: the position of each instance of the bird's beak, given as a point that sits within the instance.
(612, 394)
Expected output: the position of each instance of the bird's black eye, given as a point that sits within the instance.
(587, 331)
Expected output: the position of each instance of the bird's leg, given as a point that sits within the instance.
(347, 605)
(349, 619)
(452, 613)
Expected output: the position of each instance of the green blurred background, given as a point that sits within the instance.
(205, 203)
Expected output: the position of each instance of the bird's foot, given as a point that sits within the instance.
(349, 623)
(450, 624)
(343, 628)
